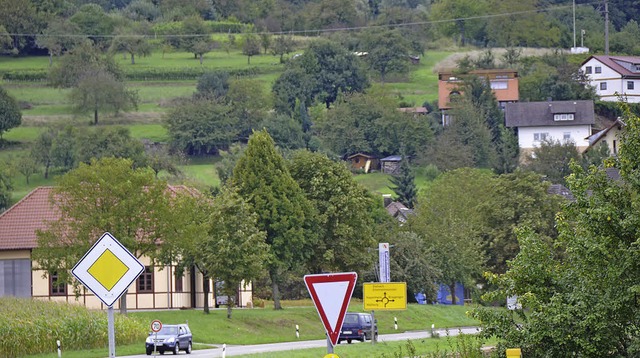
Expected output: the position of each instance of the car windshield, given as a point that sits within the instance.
(351, 318)
(168, 330)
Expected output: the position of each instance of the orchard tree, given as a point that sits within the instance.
(107, 195)
(83, 61)
(201, 126)
(5, 188)
(250, 46)
(58, 37)
(100, 92)
(262, 178)
(344, 222)
(132, 40)
(10, 116)
(552, 159)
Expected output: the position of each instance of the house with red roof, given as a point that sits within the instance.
(614, 76)
(156, 288)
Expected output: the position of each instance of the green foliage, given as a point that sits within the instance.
(404, 184)
(10, 115)
(213, 84)
(107, 195)
(81, 62)
(552, 159)
(262, 178)
(580, 294)
(388, 52)
(450, 218)
(234, 250)
(35, 326)
(5, 188)
(250, 46)
(100, 92)
(344, 221)
(201, 126)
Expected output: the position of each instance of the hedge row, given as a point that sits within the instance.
(133, 74)
(175, 27)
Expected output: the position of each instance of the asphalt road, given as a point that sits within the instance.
(276, 347)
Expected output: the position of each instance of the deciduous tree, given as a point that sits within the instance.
(263, 179)
(106, 195)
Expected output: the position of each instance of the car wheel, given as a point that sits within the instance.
(162, 352)
(149, 351)
(349, 341)
(189, 348)
(176, 349)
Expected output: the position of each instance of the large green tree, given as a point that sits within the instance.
(107, 195)
(323, 70)
(344, 221)
(450, 217)
(234, 250)
(580, 294)
(262, 178)
(5, 188)
(132, 39)
(201, 126)
(60, 35)
(10, 115)
(463, 18)
(387, 52)
(552, 159)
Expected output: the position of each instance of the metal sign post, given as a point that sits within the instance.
(112, 332)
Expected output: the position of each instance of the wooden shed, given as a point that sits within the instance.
(362, 161)
(391, 164)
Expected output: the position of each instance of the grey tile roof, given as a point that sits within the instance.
(534, 114)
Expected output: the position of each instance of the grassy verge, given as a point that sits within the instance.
(265, 325)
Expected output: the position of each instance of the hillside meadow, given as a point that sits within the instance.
(44, 105)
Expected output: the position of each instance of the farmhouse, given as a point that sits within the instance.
(614, 76)
(156, 288)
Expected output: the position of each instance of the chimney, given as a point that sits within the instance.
(386, 200)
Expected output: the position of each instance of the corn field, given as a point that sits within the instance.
(30, 327)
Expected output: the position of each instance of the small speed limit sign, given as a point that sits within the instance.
(156, 325)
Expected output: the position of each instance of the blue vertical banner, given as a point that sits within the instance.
(383, 252)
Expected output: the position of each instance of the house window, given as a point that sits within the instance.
(587, 70)
(566, 136)
(179, 281)
(603, 86)
(598, 69)
(499, 85)
(630, 85)
(145, 281)
(56, 288)
(563, 117)
(539, 137)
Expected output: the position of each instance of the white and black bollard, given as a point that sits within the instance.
(297, 331)
(395, 323)
(224, 348)
(433, 326)
(59, 350)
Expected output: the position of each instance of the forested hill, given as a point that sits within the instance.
(41, 26)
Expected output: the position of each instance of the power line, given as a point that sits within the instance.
(313, 31)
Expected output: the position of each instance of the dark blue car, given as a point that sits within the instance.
(356, 326)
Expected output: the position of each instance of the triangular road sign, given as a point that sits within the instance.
(331, 294)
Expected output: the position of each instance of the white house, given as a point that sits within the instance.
(557, 121)
(614, 76)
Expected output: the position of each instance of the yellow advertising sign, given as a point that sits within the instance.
(385, 296)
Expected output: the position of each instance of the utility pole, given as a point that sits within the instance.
(606, 27)
(574, 23)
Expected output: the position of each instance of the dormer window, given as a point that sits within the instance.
(563, 117)
(637, 66)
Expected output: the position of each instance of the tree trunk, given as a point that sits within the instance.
(46, 170)
(248, 60)
(50, 59)
(205, 292)
(276, 290)
(461, 26)
(123, 303)
(95, 116)
(452, 288)
(201, 59)
(230, 303)
(133, 58)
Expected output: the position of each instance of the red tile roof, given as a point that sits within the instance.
(18, 225)
(620, 64)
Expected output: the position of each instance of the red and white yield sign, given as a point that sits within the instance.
(331, 294)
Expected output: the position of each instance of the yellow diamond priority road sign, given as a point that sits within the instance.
(108, 269)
